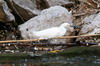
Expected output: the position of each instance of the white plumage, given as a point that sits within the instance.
(52, 32)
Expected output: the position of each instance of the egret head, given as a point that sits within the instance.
(65, 25)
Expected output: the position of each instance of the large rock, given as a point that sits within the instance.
(91, 26)
(58, 2)
(51, 17)
(25, 8)
(30, 8)
(5, 14)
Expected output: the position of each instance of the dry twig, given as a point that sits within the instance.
(64, 37)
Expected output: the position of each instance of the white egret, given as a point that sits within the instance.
(52, 32)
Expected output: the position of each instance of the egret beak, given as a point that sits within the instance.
(75, 27)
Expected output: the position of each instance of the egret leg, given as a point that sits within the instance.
(48, 42)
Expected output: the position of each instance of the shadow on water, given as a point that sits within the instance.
(83, 57)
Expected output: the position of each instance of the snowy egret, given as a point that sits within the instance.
(52, 32)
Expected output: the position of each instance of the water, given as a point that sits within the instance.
(76, 56)
(85, 60)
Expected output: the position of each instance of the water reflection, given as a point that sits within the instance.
(55, 61)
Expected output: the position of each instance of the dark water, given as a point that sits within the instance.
(91, 60)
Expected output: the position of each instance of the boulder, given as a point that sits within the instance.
(58, 2)
(91, 26)
(30, 8)
(5, 12)
(51, 17)
(26, 9)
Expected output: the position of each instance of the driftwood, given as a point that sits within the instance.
(64, 37)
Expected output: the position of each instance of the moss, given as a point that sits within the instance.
(76, 51)
(69, 52)
(13, 56)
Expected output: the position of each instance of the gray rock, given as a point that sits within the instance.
(5, 12)
(51, 17)
(58, 2)
(91, 24)
(25, 8)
